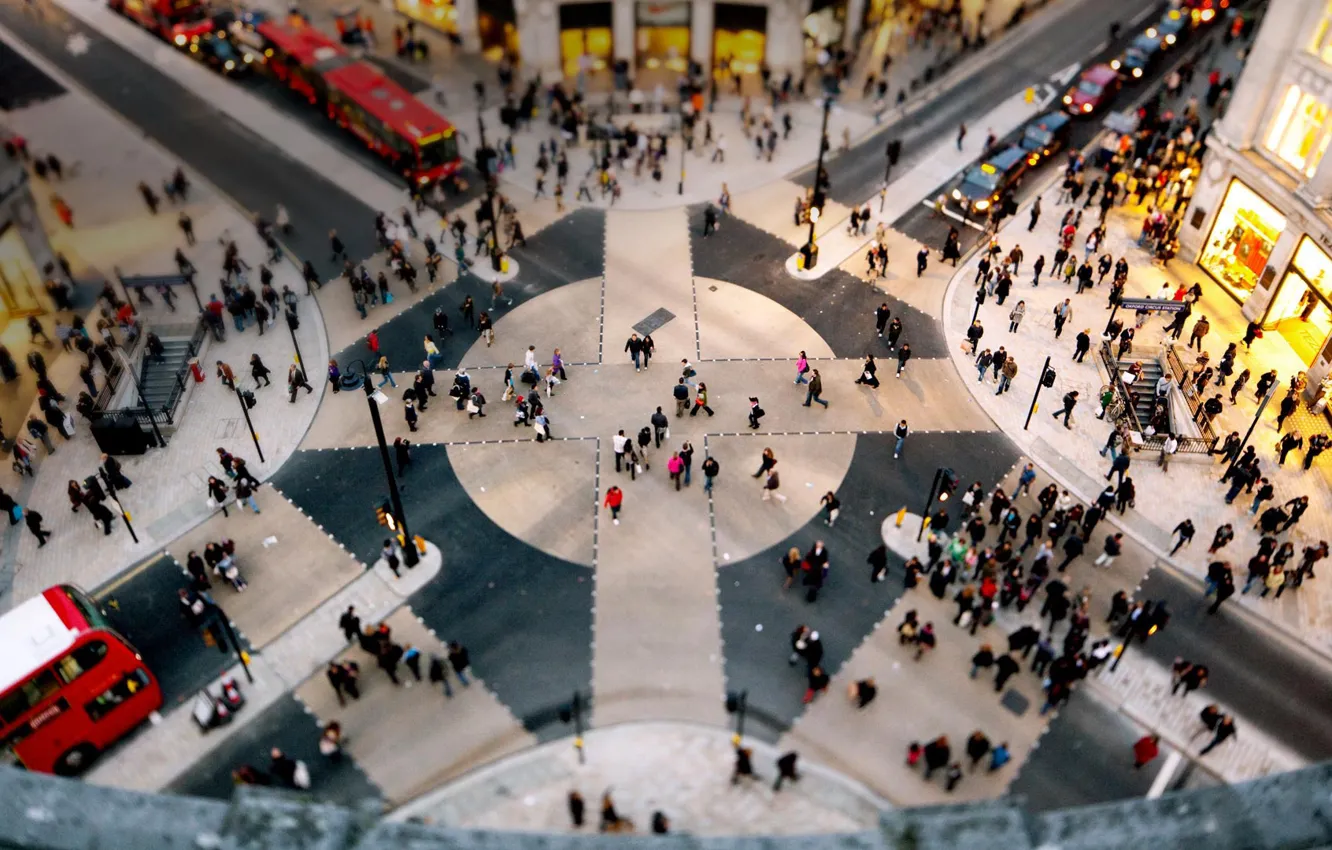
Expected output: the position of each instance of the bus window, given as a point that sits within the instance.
(125, 687)
(81, 660)
(28, 695)
(86, 607)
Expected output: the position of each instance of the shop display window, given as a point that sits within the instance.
(585, 30)
(1299, 311)
(662, 35)
(1245, 229)
(739, 38)
(1321, 45)
(439, 14)
(1299, 130)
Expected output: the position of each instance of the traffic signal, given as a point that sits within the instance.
(384, 516)
(248, 397)
(948, 482)
(1048, 378)
(894, 151)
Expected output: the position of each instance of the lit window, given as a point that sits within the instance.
(1321, 45)
(1298, 130)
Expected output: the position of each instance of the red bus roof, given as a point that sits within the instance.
(387, 101)
(35, 632)
(306, 45)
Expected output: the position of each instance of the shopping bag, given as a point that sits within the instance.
(301, 778)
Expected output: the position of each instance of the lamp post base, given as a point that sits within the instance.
(809, 254)
(408, 581)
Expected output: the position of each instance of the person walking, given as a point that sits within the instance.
(903, 355)
(815, 390)
(34, 522)
(634, 345)
(1225, 730)
(869, 373)
(1145, 749)
(771, 482)
(296, 381)
(701, 400)
(710, 469)
(1114, 545)
(614, 501)
(661, 427)
(1070, 401)
(900, 432)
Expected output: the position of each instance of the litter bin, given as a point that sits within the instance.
(196, 371)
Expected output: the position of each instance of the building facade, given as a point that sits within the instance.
(1259, 222)
(24, 249)
(553, 36)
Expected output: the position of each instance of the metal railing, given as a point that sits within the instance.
(1123, 402)
(1195, 401)
(180, 380)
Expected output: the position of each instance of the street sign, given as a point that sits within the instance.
(1154, 305)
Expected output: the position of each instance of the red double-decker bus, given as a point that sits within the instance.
(418, 143)
(70, 686)
(176, 21)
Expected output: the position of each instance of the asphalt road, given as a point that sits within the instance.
(923, 225)
(253, 171)
(1281, 688)
(144, 607)
(1071, 37)
(1086, 756)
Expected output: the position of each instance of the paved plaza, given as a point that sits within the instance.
(655, 633)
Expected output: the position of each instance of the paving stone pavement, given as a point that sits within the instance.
(1074, 455)
(116, 230)
(680, 769)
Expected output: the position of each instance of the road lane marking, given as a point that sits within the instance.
(1163, 778)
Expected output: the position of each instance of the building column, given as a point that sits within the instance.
(855, 14)
(1208, 191)
(1282, 30)
(1317, 190)
(1277, 262)
(702, 23)
(468, 30)
(622, 30)
(785, 38)
(539, 37)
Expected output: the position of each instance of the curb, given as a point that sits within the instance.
(1164, 560)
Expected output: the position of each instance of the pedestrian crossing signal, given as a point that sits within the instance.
(948, 482)
(384, 516)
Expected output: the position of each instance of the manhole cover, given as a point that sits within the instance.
(654, 320)
(1015, 702)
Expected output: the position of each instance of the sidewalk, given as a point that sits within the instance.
(1073, 455)
(105, 160)
(679, 769)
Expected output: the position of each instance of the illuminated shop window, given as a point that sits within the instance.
(1298, 133)
(1242, 237)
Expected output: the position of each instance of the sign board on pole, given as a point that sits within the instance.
(1154, 305)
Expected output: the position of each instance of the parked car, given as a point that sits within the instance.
(1093, 90)
(1045, 136)
(983, 184)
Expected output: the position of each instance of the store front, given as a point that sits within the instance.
(740, 38)
(661, 35)
(497, 25)
(585, 30)
(1301, 311)
(437, 14)
(20, 280)
(1243, 234)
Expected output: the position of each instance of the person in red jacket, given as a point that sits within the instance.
(1145, 750)
(614, 498)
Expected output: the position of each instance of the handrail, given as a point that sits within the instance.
(1129, 415)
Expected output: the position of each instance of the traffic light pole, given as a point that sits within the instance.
(410, 558)
(810, 250)
(929, 503)
(111, 490)
(1040, 382)
(245, 410)
(495, 262)
(221, 617)
(291, 328)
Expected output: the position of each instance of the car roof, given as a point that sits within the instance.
(1099, 74)
(1003, 160)
(1049, 122)
(1147, 42)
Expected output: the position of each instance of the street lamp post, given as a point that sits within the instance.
(292, 324)
(810, 251)
(1040, 382)
(224, 623)
(124, 514)
(245, 411)
(929, 503)
(483, 160)
(1258, 414)
(410, 558)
